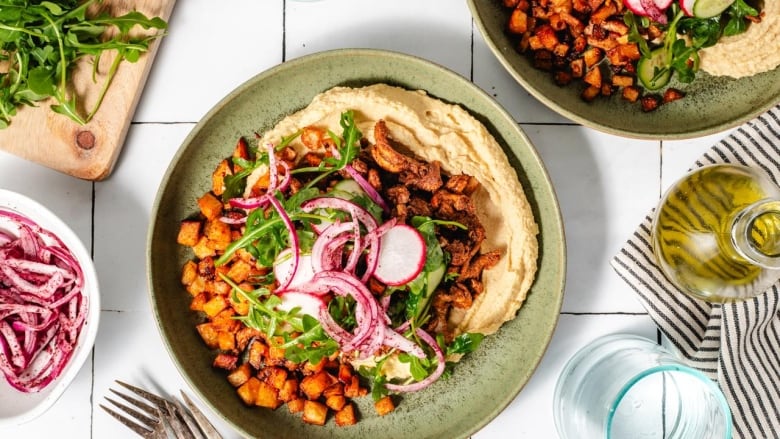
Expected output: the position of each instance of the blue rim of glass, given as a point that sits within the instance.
(714, 389)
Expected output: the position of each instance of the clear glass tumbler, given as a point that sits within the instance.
(628, 387)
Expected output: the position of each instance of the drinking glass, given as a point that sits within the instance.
(628, 387)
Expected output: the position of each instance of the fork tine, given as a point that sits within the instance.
(205, 426)
(145, 420)
(165, 410)
(157, 400)
(177, 421)
(150, 410)
(141, 431)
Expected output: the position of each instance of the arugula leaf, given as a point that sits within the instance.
(737, 13)
(465, 343)
(418, 367)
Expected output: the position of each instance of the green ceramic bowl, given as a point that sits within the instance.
(484, 383)
(712, 104)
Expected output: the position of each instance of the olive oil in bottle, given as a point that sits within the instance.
(716, 233)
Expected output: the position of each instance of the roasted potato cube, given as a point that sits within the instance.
(197, 302)
(547, 36)
(218, 177)
(336, 402)
(313, 385)
(215, 305)
(345, 373)
(590, 93)
(189, 273)
(248, 391)
(672, 94)
(218, 232)
(274, 375)
(240, 375)
(189, 233)
(295, 405)
(267, 396)
(227, 340)
(209, 335)
(346, 416)
(593, 76)
(631, 93)
(592, 56)
(622, 81)
(335, 389)
(203, 248)
(518, 22)
(650, 102)
(239, 271)
(384, 406)
(241, 305)
(289, 390)
(210, 206)
(197, 286)
(314, 412)
(352, 387)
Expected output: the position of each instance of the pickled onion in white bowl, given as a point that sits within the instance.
(16, 406)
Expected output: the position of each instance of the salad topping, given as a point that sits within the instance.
(341, 250)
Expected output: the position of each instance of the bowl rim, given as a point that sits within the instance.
(47, 219)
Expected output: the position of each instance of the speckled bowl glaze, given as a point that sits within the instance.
(712, 104)
(485, 382)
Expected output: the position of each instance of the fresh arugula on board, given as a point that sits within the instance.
(41, 41)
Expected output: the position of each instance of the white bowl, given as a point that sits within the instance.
(18, 407)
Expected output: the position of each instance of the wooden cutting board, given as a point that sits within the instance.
(87, 151)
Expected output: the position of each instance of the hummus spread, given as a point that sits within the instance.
(435, 130)
(751, 52)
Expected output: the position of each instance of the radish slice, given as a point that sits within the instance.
(687, 7)
(401, 255)
(307, 303)
(662, 4)
(284, 265)
(636, 7)
(653, 11)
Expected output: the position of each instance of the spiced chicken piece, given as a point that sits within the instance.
(421, 175)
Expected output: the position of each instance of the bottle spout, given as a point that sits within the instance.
(756, 233)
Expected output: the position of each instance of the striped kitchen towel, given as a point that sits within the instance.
(737, 344)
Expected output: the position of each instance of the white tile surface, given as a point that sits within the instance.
(605, 184)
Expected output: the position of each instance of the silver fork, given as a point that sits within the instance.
(156, 417)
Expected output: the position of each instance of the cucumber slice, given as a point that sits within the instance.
(349, 186)
(710, 8)
(647, 70)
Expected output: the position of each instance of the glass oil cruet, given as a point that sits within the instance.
(716, 233)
